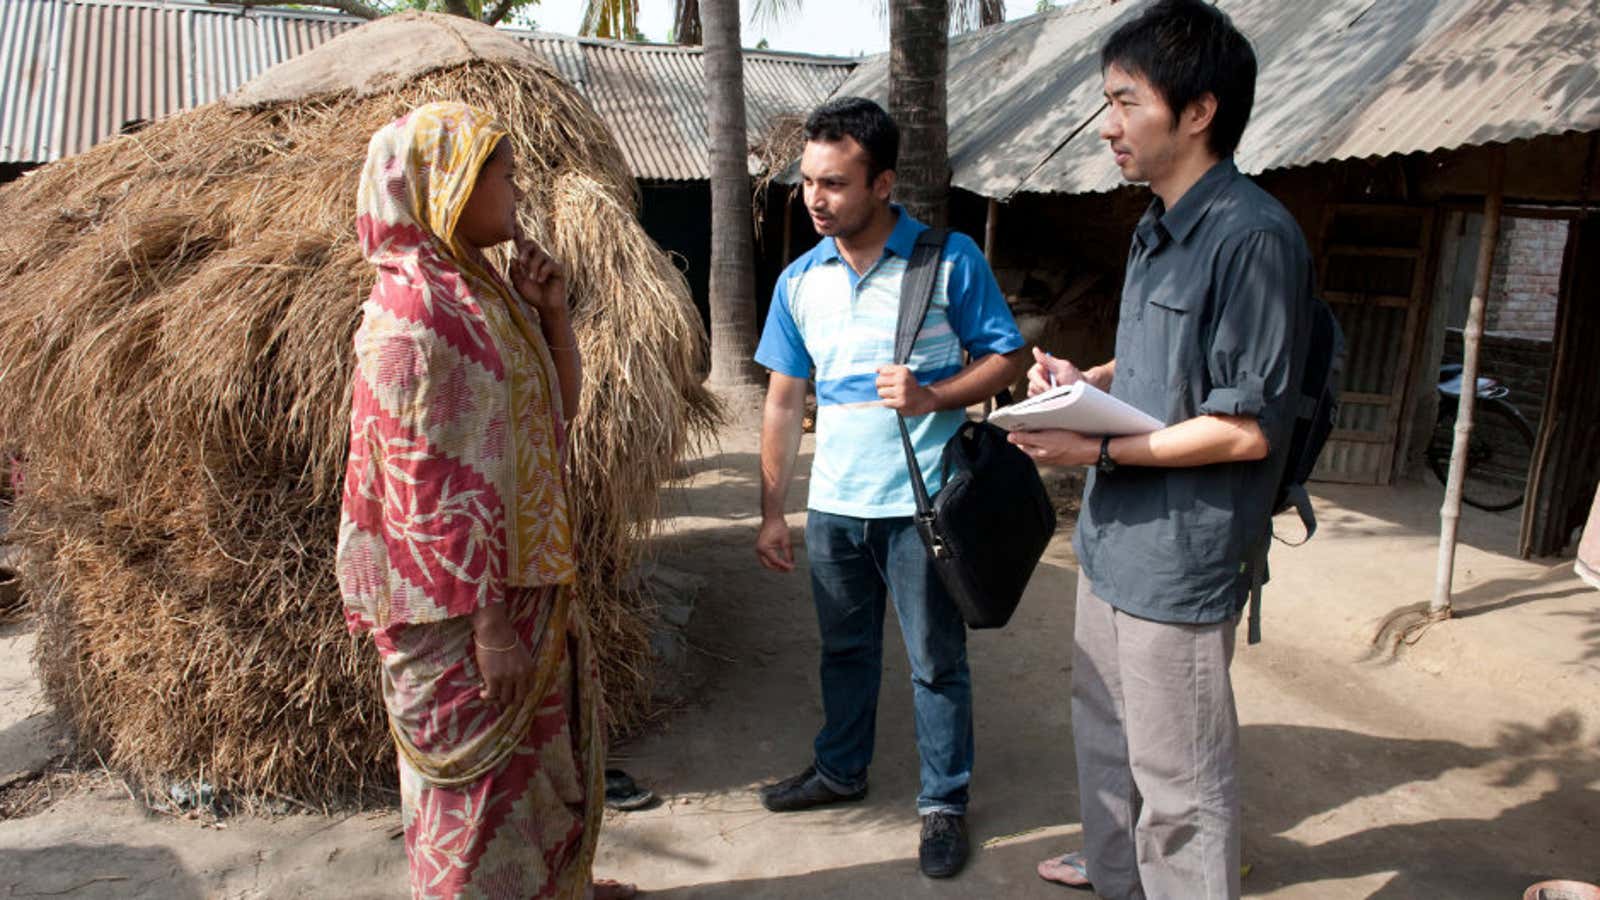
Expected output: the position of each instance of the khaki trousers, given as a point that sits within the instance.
(1157, 736)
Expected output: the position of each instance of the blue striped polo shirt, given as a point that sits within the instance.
(828, 323)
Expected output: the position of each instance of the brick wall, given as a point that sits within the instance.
(1527, 278)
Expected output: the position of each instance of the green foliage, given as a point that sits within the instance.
(616, 19)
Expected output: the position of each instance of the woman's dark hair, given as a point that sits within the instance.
(1186, 49)
(863, 120)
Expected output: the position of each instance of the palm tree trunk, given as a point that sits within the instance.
(733, 306)
(686, 23)
(918, 47)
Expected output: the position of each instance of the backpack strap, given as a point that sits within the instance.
(1258, 577)
(1302, 504)
(916, 295)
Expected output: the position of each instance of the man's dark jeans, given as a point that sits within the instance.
(855, 563)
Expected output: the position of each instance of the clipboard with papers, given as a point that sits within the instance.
(1079, 407)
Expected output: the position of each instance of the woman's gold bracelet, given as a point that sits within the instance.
(506, 649)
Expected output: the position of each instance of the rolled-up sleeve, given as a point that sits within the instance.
(1261, 293)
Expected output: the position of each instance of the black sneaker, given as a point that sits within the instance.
(944, 844)
(804, 791)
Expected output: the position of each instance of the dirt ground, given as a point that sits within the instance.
(1463, 765)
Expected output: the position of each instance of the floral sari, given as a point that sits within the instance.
(454, 499)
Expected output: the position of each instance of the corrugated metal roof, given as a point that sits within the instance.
(29, 32)
(78, 71)
(1339, 79)
(653, 95)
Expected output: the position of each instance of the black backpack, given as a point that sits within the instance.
(1318, 412)
(1315, 419)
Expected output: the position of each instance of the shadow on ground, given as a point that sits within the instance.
(110, 871)
(1295, 774)
(1292, 775)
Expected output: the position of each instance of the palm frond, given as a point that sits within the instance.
(775, 12)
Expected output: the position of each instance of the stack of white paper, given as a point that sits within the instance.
(1079, 407)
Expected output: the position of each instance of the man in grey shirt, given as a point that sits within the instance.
(1175, 524)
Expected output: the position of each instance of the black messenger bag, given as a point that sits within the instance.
(988, 525)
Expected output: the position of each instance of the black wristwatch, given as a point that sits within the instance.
(1106, 464)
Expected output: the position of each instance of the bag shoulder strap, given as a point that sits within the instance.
(916, 294)
(916, 289)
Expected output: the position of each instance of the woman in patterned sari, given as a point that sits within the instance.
(455, 542)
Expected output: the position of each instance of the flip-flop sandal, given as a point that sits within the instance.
(1073, 861)
(622, 793)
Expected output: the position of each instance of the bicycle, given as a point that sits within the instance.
(1498, 450)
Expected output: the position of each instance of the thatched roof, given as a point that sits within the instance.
(381, 57)
(176, 314)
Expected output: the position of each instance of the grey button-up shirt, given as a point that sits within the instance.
(1214, 321)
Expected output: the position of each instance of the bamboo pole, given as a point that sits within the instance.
(1472, 337)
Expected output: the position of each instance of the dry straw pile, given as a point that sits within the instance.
(176, 313)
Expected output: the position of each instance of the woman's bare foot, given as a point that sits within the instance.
(606, 889)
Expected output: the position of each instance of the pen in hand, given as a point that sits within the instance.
(1048, 371)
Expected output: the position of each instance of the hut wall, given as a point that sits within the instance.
(1527, 278)
(1524, 292)
(1568, 449)
(1549, 182)
(777, 244)
(1521, 364)
(1059, 261)
(677, 216)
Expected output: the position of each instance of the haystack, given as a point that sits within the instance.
(176, 314)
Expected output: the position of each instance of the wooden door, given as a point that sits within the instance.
(1566, 455)
(1374, 274)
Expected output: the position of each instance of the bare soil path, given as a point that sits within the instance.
(1466, 765)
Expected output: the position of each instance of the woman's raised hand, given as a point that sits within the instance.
(540, 280)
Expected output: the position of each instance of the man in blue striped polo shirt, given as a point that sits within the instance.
(833, 319)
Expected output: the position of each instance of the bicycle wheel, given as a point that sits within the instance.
(1498, 454)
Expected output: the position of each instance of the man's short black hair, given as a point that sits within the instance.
(863, 120)
(1185, 49)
